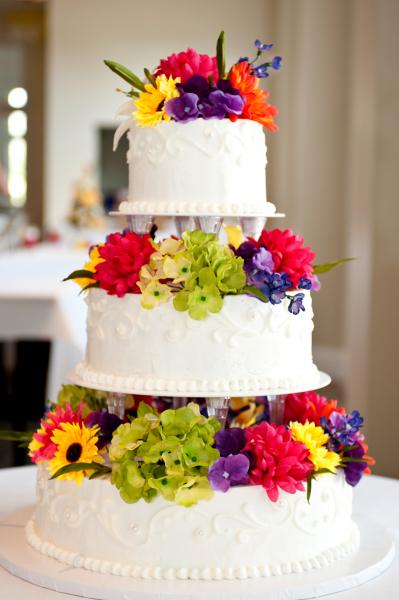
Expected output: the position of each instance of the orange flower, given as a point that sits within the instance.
(256, 107)
(368, 459)
(241, 78)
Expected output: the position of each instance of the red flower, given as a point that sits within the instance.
(289, 254)
(187, 64)
(42, 447)
(309, 406)
(124, 255)
(256, 107)
(279, 462)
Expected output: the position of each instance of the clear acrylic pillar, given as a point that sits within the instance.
(116, 404)
(218, 408)
(276, 408)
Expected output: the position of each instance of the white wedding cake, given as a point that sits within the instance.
(176, 495)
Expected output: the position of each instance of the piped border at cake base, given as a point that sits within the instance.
(85, 376)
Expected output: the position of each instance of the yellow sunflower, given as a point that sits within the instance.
(95, 259)
(315, 440)
(151, 104)
(76, 444)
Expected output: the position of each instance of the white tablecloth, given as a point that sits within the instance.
(36, 305)
(377, 497)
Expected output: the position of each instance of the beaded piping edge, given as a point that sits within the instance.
(76, 560)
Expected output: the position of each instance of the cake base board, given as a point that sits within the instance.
(376, 552)
(323, 381)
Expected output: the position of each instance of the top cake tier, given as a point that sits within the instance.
(203, 167)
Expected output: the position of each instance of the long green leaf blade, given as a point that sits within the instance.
(75, 467)
(317, 269)
(126, 74)
(220, 56)
(79, 274)
(16, 436)
(254, 291)
(150, 77)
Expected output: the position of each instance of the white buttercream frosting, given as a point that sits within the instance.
(248, 346)
(204, 167)
(237, 535)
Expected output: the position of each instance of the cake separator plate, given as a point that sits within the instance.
(374, 556)
(126, 385)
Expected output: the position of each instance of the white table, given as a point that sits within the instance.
(374, 496)
(36, 305)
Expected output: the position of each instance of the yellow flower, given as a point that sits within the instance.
(76, 444)
(95, 259)
(154, 293)
(234, 235)
(315, 440)
(151, 104)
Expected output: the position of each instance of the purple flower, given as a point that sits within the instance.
(354, 470)
(107, 423)
(295, 305)
(225, 86)
(263, 260)
(276, 63)
(230, 441)
(243, 59)
(316, 285)
(219, 104)
(304, 283)
(262, 47)
(261, 71)
(228, 471)
(197, 84)
(183, 108)
(274, 285)
(246, 250)
(342, 429)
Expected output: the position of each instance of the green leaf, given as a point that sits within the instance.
(150, 77)
(89, 286)
(321, 471)
(80, 274)
(126, 74)
(220, 56)
(349, 459)
(309, 486)
(73, 467)
(254, 291)
(15, 436)
(317, 269)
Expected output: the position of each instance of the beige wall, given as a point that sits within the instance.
(81, 90)
(332, 167)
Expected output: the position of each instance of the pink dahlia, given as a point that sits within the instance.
(42, 447)
(309, 406)
(278, 461)
(187, 64)
(289, 254)
(124, 255)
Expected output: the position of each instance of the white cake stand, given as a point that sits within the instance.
(374, 556)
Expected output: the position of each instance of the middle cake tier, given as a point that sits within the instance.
(249, 347)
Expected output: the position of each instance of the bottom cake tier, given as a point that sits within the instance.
(237, 535)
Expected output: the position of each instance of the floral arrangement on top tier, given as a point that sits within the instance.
(184, 457)
(188, 86)
(198, 271)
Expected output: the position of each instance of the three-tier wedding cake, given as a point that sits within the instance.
(163, 463)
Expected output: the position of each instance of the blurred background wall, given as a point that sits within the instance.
(333, 166)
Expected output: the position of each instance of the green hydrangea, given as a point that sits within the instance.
(167, 454)
(76, 396)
